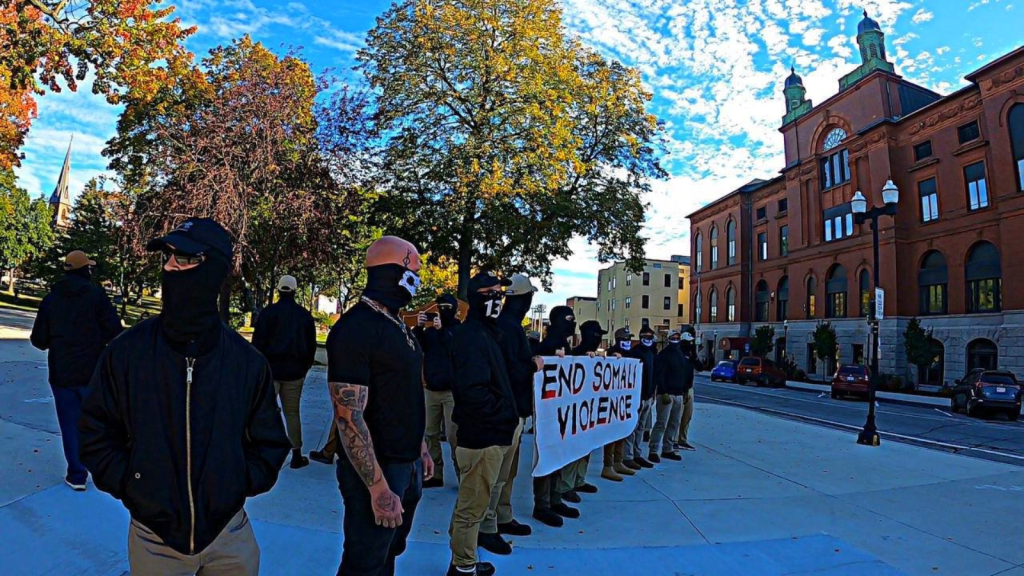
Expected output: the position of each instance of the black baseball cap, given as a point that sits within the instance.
(592, 326)
(486, 280)
(195, 236)
(647, 330)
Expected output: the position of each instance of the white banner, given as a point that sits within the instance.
(580, 404)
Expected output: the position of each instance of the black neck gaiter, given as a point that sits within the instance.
(517, 307)
(384, 285)
(189, 297)
(84, 272)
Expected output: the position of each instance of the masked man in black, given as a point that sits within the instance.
(574, 475)
(548, 507)
(633, 449)
(435, 335)
(669, 376)
(181, 423)
(693, 364)
(615, 466)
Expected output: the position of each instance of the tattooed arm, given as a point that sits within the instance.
(349, 403)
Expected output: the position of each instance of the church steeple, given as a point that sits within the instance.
(60, 200)
(797, 103)
(871, 41)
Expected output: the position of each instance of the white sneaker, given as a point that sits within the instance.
(76, 487)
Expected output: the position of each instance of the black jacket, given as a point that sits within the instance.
(286, 335)
(143, 427)
(75, 322)
(515, 348)
(646, 356)
(674, 370)
(438, 372)
(485, 408)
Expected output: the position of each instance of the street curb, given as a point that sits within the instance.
(888, 397)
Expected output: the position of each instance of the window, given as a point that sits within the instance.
(714, 248)
(932, 374)
(932, 282)
(645, 301)
(858, 354)
(984, 279)
(762, 246)
(730, 231)
(968, 132)
(762, 298)
(982, 353)
(713, 305)
(629, 302)
(835, 169)
(838, 222)
(835, 292)
(783, 205)
(834, 138)
(615, 283)
(629, 279)
(680, 311)
(784, 240)
(977, 189)
(698, 249)
(668, 280)
(668, 303)
(929, 200)
(609, 305)
(922, 151)
(762, 213)
(730, 305)
(812, 287)
(812, 360)
(645, 322)
(614, 302)
(681, 282)
(697, 308)
(647, 278)
(1016, 122)
(865, 294)
(782, 300)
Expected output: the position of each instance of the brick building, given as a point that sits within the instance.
(656, 297)
(788, 252)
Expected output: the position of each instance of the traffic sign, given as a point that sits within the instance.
(879, 304)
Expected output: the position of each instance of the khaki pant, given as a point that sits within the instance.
(684, 422)
(233, 553)
(290, 392)
(499, 510)
(480, 470)
(573, 475)
(669, 413)
(613, 453)
(439, 409)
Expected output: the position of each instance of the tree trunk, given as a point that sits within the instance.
(10, 282)
(465, 255)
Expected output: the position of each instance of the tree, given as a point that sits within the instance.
(918, 343)
(825, 343)
(503, 139)
(24, 226)
(763, 342)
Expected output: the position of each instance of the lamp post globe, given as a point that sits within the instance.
(890, 193)
(859, 204)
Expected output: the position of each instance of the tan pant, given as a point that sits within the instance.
(290, 392)
(233, 553)
(480, 470)
(501, 493)
(684, 422)
(573, 475)
(613, 453)
(439, 409)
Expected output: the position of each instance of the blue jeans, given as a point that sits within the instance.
(369, 549)
(69, 407)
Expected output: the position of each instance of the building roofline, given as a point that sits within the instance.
(581, 298)
(972, 77)
(752, 186)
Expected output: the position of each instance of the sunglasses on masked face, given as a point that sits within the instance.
(183, 259)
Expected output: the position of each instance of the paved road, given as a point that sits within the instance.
(992, 438)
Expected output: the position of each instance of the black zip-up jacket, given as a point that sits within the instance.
(144, 429)
(285, 334)
(75, 322)
(438, 372)
(515, 347)
(646, 356)
(485, 408)
(673, 371)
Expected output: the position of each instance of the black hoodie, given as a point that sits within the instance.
(286, 335)
(438, 372)
(590, 340)
(560, 329)
(516, 350)
(75, 322)
(646, 356)
(485, 408)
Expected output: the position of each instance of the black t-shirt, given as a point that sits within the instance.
(369, 349)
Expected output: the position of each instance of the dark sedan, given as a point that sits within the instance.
(988, 390)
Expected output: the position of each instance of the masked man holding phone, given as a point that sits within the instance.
(435, 335)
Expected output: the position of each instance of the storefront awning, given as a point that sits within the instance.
(733, 343)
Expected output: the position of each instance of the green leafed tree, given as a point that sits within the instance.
(825, 343)
(25, 230)
(918, 343)
(763, 342)
(504, 138)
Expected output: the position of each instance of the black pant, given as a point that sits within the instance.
(369, 549)
(68, 401)
(545, 493)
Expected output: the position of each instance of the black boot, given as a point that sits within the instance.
(494, 544)
(548, 517)
(643, 462)
(298, 460)
(671, 456)
(572, 496)
(587, 488)
(481, 569)
(654, 458)
(514, 528)
(565, 511)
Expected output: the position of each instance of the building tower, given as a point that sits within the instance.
(871, 40)
(60, 200)
(797, 103)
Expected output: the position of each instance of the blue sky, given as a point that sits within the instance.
(715, 66)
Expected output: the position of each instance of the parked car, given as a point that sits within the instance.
(724, 371)
(851, 379)
(761, 371)
(989, 390)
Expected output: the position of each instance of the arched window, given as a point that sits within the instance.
(1016, 123)
(812, 298)
(697, 308)
(730, 232)
(713, 305)
(762, 297)
(982, 353)
(835, 293)
(984, 276)
(714, 247)
(698, 249)
(865, 294)
(932, 282)
(782, 300)
(835, 164)
(932, 374)
(730, 304)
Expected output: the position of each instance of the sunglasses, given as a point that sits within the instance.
(183, 259)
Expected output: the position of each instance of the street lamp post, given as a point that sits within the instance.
(859, 206)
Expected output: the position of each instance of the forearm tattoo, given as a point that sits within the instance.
(349, 403)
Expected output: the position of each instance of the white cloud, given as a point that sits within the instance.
(922, 15)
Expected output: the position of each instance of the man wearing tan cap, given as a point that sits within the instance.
(75, 322)
(285, 334)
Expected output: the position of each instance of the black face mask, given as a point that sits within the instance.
(517, 307)
(589, 338)
(387, 284)
(485, 306)
(448, 315)
(190, 300)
